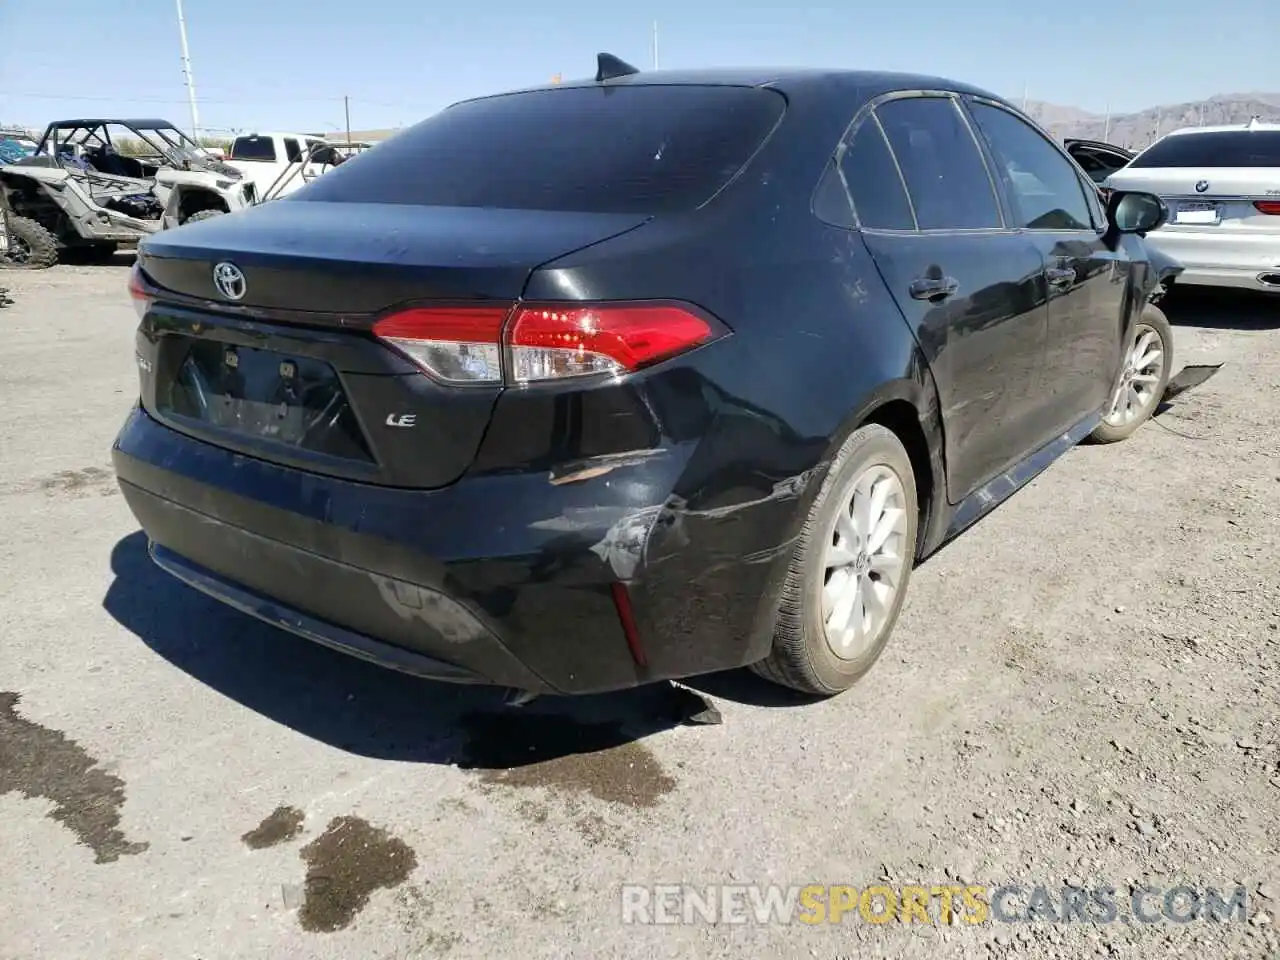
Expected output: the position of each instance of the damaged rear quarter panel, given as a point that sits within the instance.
(817, 344)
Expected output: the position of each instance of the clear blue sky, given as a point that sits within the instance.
(286, 64)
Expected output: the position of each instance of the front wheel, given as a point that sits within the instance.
(849, 573)
(1148, 364)
(28, 245)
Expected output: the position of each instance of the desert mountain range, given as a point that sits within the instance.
(1136, 130)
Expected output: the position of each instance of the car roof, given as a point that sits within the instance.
(278, 133)
(788, 80)
(1255, 125)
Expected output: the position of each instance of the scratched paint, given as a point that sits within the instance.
(442, 613)
(625, 543)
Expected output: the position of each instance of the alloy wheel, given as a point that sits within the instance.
(1135, 394)
(863, 562)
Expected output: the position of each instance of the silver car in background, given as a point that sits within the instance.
(1222, 187)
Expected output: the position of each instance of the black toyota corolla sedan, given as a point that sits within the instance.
(640, 377)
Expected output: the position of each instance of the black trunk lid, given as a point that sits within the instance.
(339, 258)
(290, 371)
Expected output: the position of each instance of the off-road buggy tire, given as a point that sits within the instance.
(801, 658)
(42, 246)
(1153, 320)
(204, 215)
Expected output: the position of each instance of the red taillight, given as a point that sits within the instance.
(1270, 207)
(542, 341)
(138, 292)
(549, 341)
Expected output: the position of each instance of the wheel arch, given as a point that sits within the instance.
(908, 407)
(192, 199)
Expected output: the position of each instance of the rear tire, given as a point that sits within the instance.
(866, 513)
(205, 215)
(1136, 395)
(31, 246)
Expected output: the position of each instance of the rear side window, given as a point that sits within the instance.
(940, 161)
(879, 198)
(292, 151)
(1225, 148)
(252, 148)
(622, 149)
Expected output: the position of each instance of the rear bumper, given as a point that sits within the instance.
(1221, 259)
(295, 621)
(502, 580)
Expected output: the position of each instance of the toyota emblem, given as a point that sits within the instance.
(229, 280)
(1202, 186)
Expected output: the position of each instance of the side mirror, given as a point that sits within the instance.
(1138, 213)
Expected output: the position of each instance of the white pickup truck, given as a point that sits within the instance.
(258, 167)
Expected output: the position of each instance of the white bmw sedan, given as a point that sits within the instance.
(1222, 187)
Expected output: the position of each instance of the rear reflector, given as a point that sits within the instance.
(627, 617)
(542, 341)
(1271, 207)
(138, 292)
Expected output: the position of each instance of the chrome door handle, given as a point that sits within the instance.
(1061, 276)
(933, 288)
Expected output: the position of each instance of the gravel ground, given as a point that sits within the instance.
(1082, 689)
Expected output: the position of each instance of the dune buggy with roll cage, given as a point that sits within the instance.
(82, 192)
(91, 185)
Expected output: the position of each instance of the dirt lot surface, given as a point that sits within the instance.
(1082, 689)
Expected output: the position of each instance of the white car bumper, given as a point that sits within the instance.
(1222, 259)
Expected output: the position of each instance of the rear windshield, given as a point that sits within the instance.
(253, 148)
(1227, 148)
(624, 149)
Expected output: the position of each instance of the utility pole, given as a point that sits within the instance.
(1106, 135)
(346, 108)
(1024, 96)
(655, 44)
(186, 74)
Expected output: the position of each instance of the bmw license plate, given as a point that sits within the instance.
(1197, 213)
